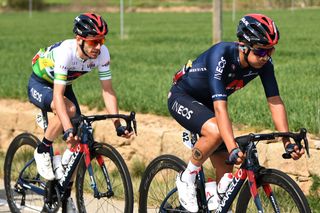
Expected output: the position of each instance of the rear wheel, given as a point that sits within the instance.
(20, 152)
(119, 177)
(287, 194)
(157, 182)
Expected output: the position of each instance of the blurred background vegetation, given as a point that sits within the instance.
(132, 4)
(156, 45)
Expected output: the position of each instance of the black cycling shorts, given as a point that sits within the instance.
(190, 113)
(40, 93)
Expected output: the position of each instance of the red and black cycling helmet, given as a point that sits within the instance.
(258, 29)
(90, 24)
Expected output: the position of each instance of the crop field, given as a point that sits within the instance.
(156, 45)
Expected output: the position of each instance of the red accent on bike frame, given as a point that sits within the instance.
(241, 174)
(252, 183)
(100, 160)
(267, 189)
(86, 154)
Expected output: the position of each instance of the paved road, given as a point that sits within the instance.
(3, 200)
(5, 208)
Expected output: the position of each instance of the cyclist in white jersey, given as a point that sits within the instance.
(50, 85)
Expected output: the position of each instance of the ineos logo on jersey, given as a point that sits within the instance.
(219, 68)
(36, 95)
(182, 110)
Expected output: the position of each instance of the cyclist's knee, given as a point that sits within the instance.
(210, 131)
(71, 110)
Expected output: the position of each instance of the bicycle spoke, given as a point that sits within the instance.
(117, 202)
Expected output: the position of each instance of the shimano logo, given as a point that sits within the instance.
(182, 110)
(219, 69)
(36, 95)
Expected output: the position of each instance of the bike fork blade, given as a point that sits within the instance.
(268, 190)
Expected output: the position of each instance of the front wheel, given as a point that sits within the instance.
(105, 160)
(287, 194)
(157, 188)
(20, 174)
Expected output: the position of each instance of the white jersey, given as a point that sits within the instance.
(59, 63)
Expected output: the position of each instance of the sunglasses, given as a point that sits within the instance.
(263, 52)
(95, 42)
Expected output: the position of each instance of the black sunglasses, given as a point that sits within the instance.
(262, 52)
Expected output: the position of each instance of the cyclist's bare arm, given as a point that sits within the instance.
(110, 100)
(279, 116)
(61, 110)
(225, 126)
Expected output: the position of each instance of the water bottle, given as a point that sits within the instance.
(224, 184)
(66, 157)
(57, 166)
(211, 194)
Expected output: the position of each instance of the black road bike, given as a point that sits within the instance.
(260, 189)
(102, 182)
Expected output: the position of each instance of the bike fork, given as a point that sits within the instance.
(97, 194)
(110, 192)
(254, 190)
(267, 189)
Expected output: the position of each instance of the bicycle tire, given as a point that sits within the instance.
(115, 165)
(163, 162)
(21, 150)
(290, 194)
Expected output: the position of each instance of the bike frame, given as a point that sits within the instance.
(247, 171)
(82, 149)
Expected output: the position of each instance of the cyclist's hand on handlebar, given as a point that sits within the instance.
(123, 132)
(70, 138)
(236, 156)
(72, 141)
(294, 151)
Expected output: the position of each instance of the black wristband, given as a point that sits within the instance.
(66, 133)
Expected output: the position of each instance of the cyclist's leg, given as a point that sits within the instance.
(218, 159)
(197, 118)
(55, 127)
(41, 94)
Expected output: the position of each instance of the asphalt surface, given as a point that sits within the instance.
(3, 199)
(4, 205)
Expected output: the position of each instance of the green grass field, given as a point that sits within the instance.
(155, 46)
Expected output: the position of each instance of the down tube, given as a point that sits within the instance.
(235, 186)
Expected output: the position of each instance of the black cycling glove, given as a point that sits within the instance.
(233, 156)
(120, 130)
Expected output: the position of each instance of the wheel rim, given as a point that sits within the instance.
(33, 201)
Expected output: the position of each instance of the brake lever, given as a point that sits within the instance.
(133, 120)
(303, 133)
